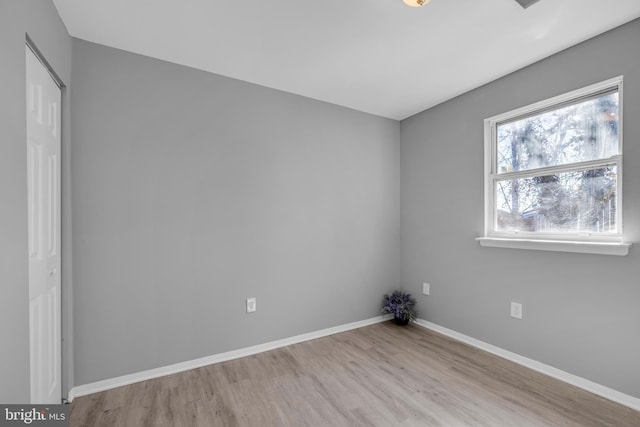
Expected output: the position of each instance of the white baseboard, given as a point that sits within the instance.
(595, 388)
(590, 386)
(108, 384)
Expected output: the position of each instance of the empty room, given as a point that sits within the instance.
(330, 213)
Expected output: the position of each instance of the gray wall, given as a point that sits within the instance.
(580, 312)
(41, 21)
(193, 192)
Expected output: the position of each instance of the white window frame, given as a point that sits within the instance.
(609, 244)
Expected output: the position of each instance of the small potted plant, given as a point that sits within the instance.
(401, 305)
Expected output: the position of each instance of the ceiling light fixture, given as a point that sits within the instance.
(416, 3)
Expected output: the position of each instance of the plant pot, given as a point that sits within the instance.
(400, 321)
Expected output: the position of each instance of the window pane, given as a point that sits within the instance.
(581, 201)
(575, 133)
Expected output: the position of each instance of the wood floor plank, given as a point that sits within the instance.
(379, 375)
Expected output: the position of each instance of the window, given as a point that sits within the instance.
(553, 174)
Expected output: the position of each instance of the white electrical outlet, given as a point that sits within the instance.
(516, 310)
(426, 288)
(251, 305)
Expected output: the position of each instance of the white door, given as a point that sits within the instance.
(43, 168)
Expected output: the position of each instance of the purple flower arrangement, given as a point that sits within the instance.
(401, 305)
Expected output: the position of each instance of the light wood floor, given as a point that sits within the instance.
(380, 375)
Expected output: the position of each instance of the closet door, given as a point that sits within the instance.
(43, 168)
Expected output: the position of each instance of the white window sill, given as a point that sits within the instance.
(620, 249)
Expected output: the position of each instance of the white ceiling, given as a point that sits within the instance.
(377, 56)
